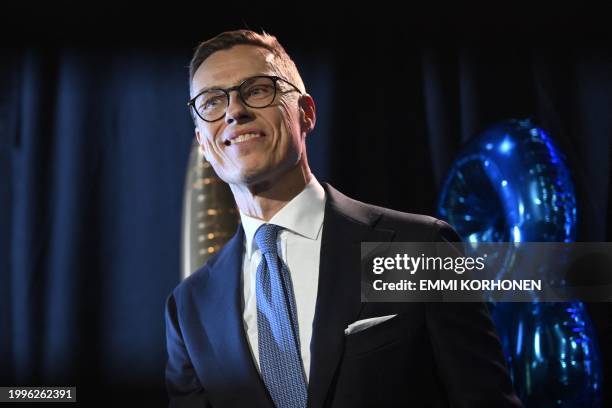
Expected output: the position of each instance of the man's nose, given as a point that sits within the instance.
(237, 110)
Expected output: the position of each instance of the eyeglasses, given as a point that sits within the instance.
(255, 92)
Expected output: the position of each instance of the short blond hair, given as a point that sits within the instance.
(228, 39)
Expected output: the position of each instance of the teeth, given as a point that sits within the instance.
(245, 137)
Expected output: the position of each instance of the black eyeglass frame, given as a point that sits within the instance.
(227, 91)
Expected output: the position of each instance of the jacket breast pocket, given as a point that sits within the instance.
(377, 337)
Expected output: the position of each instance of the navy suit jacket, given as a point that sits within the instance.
(431, 354)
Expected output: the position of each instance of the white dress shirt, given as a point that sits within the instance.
(300, 244)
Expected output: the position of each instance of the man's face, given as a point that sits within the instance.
(279, 143)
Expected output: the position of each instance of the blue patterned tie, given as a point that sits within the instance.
(278, 335)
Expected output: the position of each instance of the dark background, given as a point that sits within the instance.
(95, 137)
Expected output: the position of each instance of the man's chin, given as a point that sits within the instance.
(252, 180)
(259, 180)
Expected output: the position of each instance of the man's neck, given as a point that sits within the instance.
(264, 200)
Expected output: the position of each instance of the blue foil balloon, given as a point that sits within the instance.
(510, 184)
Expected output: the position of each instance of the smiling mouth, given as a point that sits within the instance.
(242, 138)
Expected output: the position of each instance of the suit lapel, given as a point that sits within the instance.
(346, 224)
(221, 308)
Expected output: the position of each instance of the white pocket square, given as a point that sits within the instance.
(360, 325)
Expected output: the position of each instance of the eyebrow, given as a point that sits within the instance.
(208, 88)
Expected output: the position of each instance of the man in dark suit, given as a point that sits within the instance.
(275, 318)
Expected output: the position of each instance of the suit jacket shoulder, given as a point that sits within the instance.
(407, 226)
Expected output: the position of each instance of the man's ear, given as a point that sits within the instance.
(308, 113)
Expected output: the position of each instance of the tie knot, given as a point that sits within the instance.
(265, 237)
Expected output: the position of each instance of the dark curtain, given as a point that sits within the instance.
(93, 161)
(94, 141)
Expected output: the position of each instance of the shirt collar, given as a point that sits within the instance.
(302, 215)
